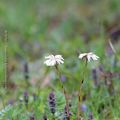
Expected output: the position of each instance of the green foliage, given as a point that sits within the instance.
(39, 27)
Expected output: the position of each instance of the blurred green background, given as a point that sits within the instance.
(40, 27)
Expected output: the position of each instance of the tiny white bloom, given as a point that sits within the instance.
(52, 60)
(89, 56)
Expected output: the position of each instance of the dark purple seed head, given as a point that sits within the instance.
(32, 118)
(44, 117)
(95, 77)
(52, 102)
(94, 73)
(26, 71)
(91, 116)
(63, 78)
(115, 34)
(51, 95)
(65, 115)
(25, 94)
(34, 96)
(101, 69)
(26, 98)
(109, 51)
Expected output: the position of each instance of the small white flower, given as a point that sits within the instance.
(52, 60)
(89, 56)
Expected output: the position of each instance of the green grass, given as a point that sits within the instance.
(41, 27)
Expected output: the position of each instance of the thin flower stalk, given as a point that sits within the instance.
(64, 91)
(87, 57)
(26, 73)
(26, 99)
(80, 91)
(55, 60)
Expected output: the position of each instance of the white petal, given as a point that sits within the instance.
(88, 58)
(82, 55)
(47, 62)
(94, 57)
(53, 60)
(59, 57)
(59, 61)
(50, 62)
(50, 56)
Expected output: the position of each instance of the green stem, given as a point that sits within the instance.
(80, 91)
(64, 91)
(53, 117)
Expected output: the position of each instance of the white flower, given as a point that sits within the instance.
(52, 60)
(89, 56)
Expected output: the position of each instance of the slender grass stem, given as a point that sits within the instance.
(80, 91)
(64, 91)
